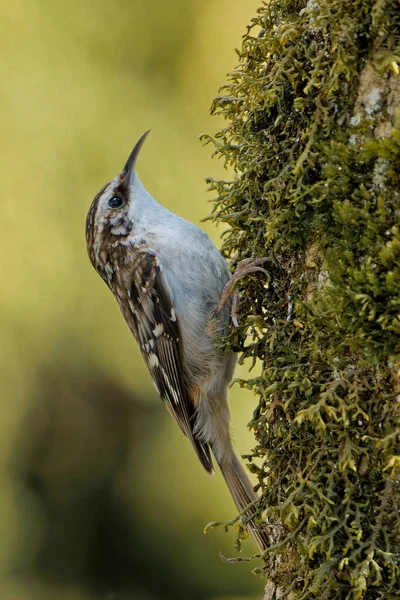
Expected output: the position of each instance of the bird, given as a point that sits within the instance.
(173, 288)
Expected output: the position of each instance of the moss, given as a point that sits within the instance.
(314, 140)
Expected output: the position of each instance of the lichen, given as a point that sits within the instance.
(314, 138)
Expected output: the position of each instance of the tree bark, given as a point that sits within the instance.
(313, 135)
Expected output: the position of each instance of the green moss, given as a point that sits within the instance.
(317, 192)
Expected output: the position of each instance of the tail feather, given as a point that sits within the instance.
(243, 494)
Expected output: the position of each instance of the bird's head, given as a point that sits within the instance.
(109, 215)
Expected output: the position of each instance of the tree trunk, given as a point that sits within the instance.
(313, 134)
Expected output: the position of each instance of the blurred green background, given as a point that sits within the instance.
(101, 495)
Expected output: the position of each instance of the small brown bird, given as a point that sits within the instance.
(168, 277)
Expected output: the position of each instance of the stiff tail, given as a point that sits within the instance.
(243, 494)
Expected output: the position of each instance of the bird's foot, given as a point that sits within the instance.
(244, 268)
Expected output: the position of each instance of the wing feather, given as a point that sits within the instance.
(154, 323)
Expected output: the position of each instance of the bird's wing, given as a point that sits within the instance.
(145, 300)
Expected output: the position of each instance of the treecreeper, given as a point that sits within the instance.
(173, 288)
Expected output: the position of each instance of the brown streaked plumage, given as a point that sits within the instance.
(136, 279)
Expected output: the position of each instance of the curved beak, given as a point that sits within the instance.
(131, 162)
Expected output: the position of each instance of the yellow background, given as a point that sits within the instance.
(101, 495)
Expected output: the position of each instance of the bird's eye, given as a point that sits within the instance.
(115, 202)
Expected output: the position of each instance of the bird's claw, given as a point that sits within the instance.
(244, 268)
